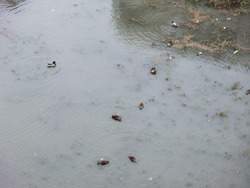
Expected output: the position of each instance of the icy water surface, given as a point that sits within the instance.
(56, 122)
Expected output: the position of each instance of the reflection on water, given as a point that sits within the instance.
(56, 123)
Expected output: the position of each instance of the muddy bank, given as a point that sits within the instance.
(201, 27)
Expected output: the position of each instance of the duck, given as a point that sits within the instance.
(141, 106)
(132, 159)
(50, 65)
(102, 162)
(248, 92)
(117, 117)
(153, 70)
(170, 43)
(173, 24)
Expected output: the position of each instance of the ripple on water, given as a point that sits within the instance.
(22, 135)
(137, 22)
(117, 146)
(94, 119)
(13, 6)
(34, 69)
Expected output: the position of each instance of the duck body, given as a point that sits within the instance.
(173, 24)
(132, 159)
(170, 43)
(153, 70)
(102, 162)
(117, 117)
(51, 65)
(248, 92)
(141, 106)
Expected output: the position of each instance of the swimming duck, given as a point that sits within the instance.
(173, 24)
(53, 64)
(153, 70)
(132, 159)
(102, 162)
(117, 117)
(141, 106)
(248, 92)
(170, 43)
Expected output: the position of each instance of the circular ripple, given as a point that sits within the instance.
(25, 123)
(95, 118)
(34, 69)
(121, 143)
(137, 22)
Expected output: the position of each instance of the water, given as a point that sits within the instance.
(56, 123)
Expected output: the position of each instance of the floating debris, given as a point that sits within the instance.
(153, 44)
(235, 86)
(235, 52)
(228, 155)
(122, 179)
(222, 114)
(170, 43)
(102, 162)
(229, 18)
(139, 21)
(248, 92)
(120, 66)
(173, 24)
(132, 159)
(6, 33)
(141, 106)
(171, 57)
(150, 179)
(153, 70)
(50, 65)
(152, 4)
(177, 85)
(117, 117)
(199, 53)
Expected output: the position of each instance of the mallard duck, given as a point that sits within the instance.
(141, 106)
(170, 43)
(53, 64)
(173, 24)
(153, 70)
(132, 159)
(102, 162)
(248, 92)
(117, 117)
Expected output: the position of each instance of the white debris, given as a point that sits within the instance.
(224, 27)
(229, 18)
(150, 179)
(236, 51)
